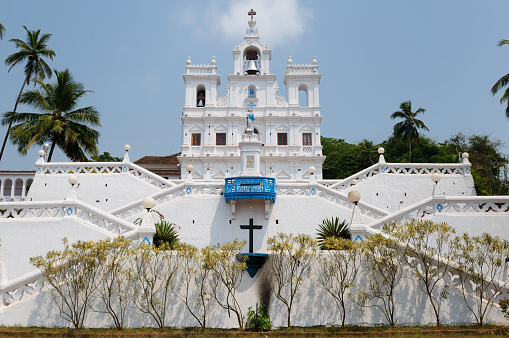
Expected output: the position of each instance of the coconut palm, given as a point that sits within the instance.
(32, 51)
(408, 128)
(59, 122)
(501, 83)
(2, 31)
(366, 152)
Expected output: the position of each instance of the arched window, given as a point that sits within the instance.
(18, 187)
(251, 66)
(303, 95)
(28, 185)
(200, 96)
(251, 92)
(7, 187)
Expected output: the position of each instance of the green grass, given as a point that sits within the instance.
(351, 331)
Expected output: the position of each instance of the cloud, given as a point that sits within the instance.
(279, 22)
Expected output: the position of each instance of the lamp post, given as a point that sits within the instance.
(354, 196)
(126, 156)
(312, 171)
(73, 180)
(435, 177)
(147, 227)
(45, 146)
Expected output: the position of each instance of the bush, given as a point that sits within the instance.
(332, 228)
(259, 319)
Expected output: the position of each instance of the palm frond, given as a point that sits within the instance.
(166, 235)
(332, 227)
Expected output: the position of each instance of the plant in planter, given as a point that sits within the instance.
(166, 235)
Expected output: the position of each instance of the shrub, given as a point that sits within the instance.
(259, 319)
(332, 228)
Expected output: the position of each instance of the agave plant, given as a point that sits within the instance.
(166, 235)
(332, 227)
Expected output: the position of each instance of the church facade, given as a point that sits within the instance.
(213, 126)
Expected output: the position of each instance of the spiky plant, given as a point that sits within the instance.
(332, 227)
(166, 235)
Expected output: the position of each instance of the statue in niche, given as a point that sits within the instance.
(250, 118)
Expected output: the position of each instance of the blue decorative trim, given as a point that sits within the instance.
(69, 211)
(189, 190)
(467, 171)
(382, 170)
(124, 169)
(146, 241)
(38, 170)
(250, 187)
(254, 261)
(358, 237)
(251, 104)
(439, 207)
(313, 191)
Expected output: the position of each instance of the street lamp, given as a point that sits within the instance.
(354, 196)
(148, 203)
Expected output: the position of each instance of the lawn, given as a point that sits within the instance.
(353, 331)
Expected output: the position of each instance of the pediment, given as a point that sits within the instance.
(220, 128)
(306, 128)
(218, 175)
(196, 127)
(282, 128)
(283, 175)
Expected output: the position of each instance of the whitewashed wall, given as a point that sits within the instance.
(313, 306)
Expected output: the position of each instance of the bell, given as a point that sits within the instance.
(252, 69)
(200, 103)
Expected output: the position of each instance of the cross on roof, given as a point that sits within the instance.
(252, 12)
(251, 227)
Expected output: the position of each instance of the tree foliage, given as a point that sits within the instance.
(426, 252)
(480, 261)
(408, 129)
(337, 271)
(502, 83)
(290, 260)
(59, 122)
(32, 51)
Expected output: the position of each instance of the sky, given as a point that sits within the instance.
(372, 55)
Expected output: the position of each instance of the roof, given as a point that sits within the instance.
(170, 159)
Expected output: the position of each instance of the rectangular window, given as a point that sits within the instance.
(220, 139)
(196, 140)
(282, 139)
(306, 139)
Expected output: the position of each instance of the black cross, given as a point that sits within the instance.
(251, 13)
(251, 227)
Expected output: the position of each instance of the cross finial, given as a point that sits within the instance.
(252, 12)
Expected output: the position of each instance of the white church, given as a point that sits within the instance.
(249, 157)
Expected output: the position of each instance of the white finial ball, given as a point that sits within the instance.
(435, 177)
(73, 179)
(354, 196)
(312, 170)
(127, 147)
(464, 155)
(190, 168)
(41, 153)
(148, 202)
(381, 150)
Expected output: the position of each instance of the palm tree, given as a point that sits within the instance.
(2, 31)
(501, 83)
(408, 128)
(367, 150)
(59, 122)
(31, 51)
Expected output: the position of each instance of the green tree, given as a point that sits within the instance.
(32, 51)
(106, 157)
(340, 161)
(367, 150)
(59, 122)
(2, 31)
(408, 128)
(501, 83)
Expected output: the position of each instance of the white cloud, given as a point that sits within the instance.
(278, 21)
